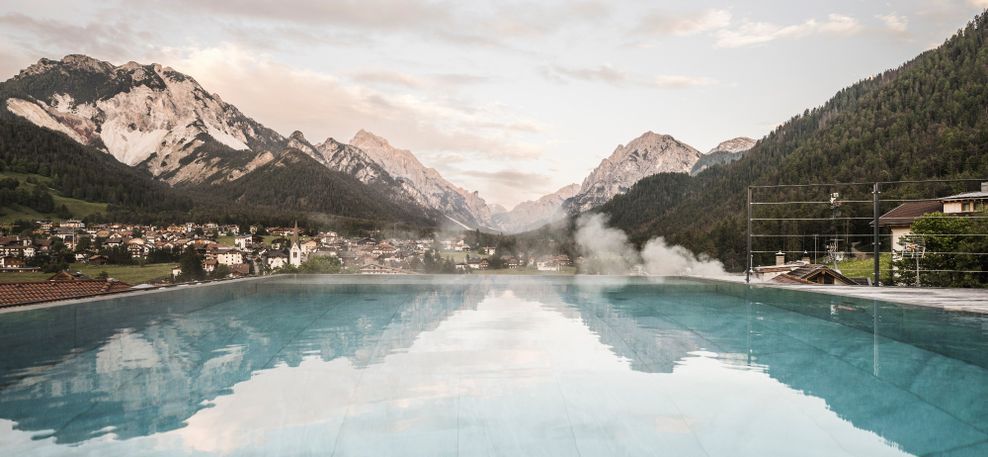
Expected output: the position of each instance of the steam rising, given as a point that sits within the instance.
(608, 251)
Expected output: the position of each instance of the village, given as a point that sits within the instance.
(227, 251)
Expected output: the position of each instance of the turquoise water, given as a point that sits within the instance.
(350, 366)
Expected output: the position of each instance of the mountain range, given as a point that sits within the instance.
(164, 123)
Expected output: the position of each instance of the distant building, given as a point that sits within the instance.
(966, 203)
(276, 260)
(296, 254)
(375, 269)
(900, 219)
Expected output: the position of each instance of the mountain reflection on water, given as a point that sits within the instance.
(464, 366)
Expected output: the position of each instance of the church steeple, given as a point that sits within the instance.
(295, 254)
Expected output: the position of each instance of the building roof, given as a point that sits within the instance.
(906, 213)
(23, 293)
(967, 196)
(806, 273)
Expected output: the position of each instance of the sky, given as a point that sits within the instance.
(512, 99)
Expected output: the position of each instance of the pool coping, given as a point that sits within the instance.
(958, 300)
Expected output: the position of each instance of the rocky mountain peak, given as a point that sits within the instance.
(724, 153)
(427, 186)
(365, 138)
(646, 155)
(739, 144)
(86, 63)
(148, 116)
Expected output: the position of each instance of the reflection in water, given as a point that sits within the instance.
(524, 366)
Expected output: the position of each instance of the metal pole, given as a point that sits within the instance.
(876, 243)
(747, 272)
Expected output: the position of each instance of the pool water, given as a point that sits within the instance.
(481, 366)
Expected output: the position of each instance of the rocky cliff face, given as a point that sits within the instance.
(644, 156)
(531, 215)
(725, 152)
(147, 116)
(425, 184)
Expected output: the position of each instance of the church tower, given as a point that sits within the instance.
(295, 251)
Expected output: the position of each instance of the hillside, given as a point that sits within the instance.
(924, 119)
(295, 181)
(82, 174)
(30, 197)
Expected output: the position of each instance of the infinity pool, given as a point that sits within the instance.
(418, 366)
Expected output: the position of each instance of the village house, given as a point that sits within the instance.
(547, 264)
(73, 224)
(900, 219)
(228, 256)
(801, 272)
(11, 263)
(137, 247)
(276, 260)
(375, 269)
(247, 241)
(966, 203)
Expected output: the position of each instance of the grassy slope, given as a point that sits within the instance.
(865, 268)
(79, 208)
(131, 274)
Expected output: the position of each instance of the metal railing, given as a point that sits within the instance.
(792, 214)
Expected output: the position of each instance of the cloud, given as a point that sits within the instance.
(681, 82)
(39, 36)
(896, 23)
(460, 23)
(441, 81)
(978, 3)
(601, 73)
(324, 105)
(508, 177)
(660, 24)
(610, 75)
(753, 33)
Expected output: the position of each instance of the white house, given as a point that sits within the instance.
(243, 241)
(276, 260)
(229, 257)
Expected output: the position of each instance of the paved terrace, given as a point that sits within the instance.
(963, 300)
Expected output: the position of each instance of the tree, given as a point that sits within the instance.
(219, 272)
(949, 258)
(191, 265)
(84, 244)
(321, 265)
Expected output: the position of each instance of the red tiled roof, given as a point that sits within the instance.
(906, 213)
(23, 293)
